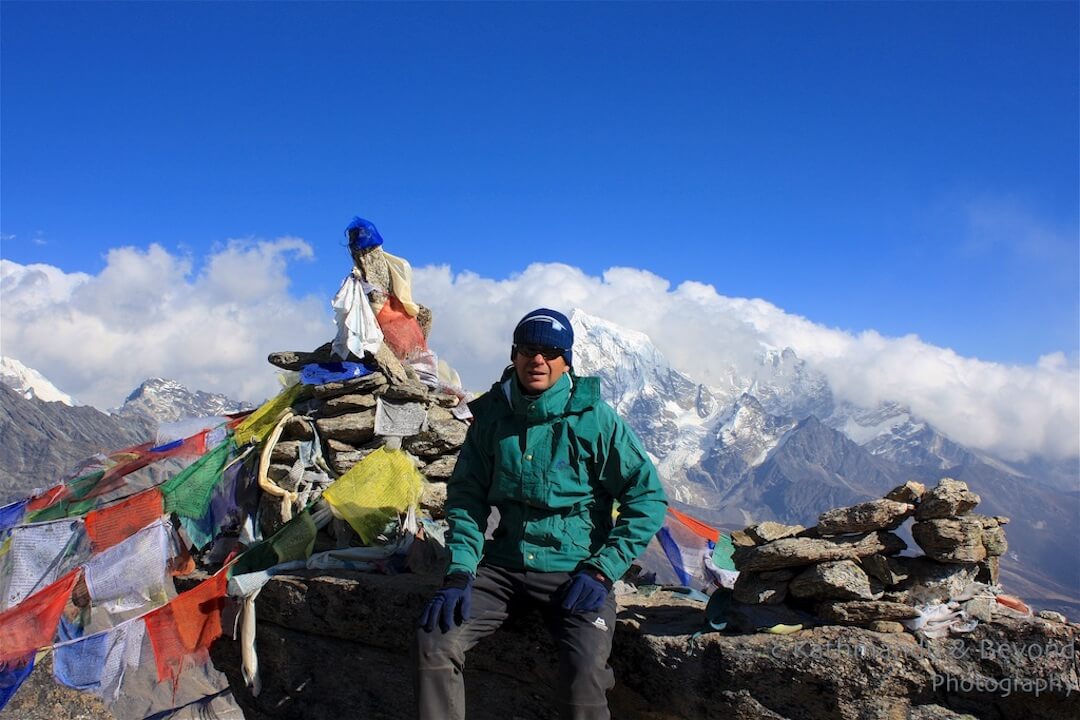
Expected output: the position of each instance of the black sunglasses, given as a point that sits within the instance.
(531, 351)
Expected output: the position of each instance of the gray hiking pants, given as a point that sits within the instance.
(583, 642)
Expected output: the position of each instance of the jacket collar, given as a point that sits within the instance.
(570, 395)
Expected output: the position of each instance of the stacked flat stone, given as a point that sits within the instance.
(342, 414)
(847, 569)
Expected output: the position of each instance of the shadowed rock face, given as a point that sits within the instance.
(339, 646)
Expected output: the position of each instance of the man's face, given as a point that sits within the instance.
(538, 367)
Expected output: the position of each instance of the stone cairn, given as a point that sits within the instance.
(341, 415)
(848, 570)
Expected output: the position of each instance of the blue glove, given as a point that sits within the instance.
(586, 591)
(451, 603)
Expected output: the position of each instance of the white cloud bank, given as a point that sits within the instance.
(149, 313)
(1013, 411)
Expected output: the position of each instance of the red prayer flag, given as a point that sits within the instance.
(187, 625)
(46, 499)
(114, 524)
(32, 623)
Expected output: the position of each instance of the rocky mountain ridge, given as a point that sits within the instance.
(776, 445)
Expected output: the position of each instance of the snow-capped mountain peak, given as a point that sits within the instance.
(29, 383)
(169, 401)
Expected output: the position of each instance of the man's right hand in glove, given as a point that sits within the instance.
(451, 603)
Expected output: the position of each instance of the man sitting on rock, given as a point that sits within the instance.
(553, 458)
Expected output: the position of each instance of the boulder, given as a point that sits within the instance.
(926, 581)
(433, 499)
(354, 429)
(767, 588)
(836, 580)
(796, 552)
(910, 492)
(881, 569)
(769, 531)
(950, 539)
(860, 612)
(366, 623)
(362, 385)
(298, 427)
(951, 498)
(865, 517)
(440, 469)
(993, 535)
(440, 438)
(346, 404)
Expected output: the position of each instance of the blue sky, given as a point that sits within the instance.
(901, 168)
(827, 157)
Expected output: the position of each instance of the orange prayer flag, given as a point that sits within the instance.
(401, 331)
(696, 526)
(114, 524)
(187, 625)
(32, 623)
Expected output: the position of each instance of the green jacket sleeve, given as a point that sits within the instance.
(467, 507)
(631, 478)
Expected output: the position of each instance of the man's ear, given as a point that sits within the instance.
(513, 352)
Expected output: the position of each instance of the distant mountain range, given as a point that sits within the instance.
(42, 441)
(774, 444)
(777, 445)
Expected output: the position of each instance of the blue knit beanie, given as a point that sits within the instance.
(366, 236)
(546, 327)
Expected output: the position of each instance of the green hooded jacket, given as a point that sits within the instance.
(554, 467)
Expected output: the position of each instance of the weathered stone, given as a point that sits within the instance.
(371, 262)
(437, 412)
(296, 360)
(423, 319)
(741, 539)
(864, 517)
(278, 474)
(928, 581)
(354, 429)
(885, 626)
(391, 366)
(446, 400)
(367, 384)
(440, 468)
(910, 492)
(368, 621)
(298, 427)
(859, 612)
(950, 539)
(1051, 616)
(794, 552)
(407, 392)
(879, 568)
(440, 438)
(994, 541)
(285, 452)
(951, 498)
(433, 499)
(980, 608)
(351, 403)
(837, 580)
(342, 456)
(769, 588)
(769, 531)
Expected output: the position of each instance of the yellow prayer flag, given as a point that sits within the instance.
(375, 490)
(258, 424)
